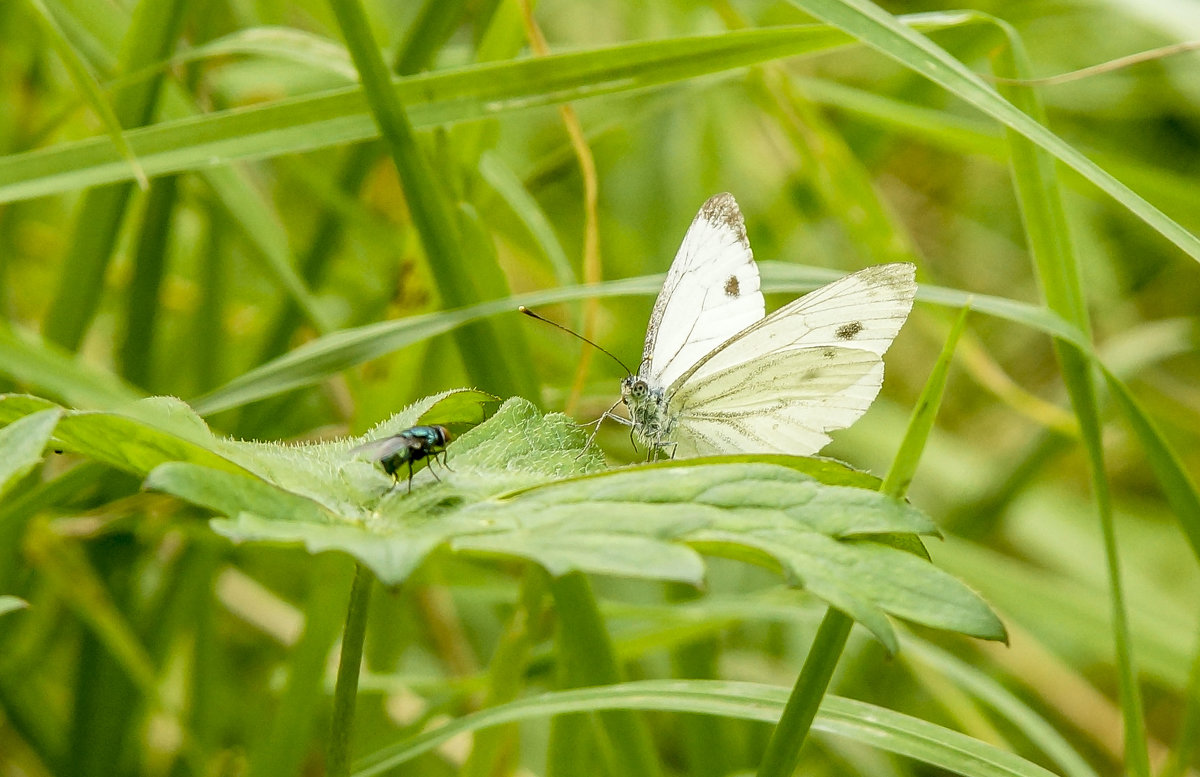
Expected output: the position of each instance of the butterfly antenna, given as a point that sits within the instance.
(573, 333)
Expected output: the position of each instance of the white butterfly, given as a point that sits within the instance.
(718, 377)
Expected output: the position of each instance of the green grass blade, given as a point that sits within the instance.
(589, 658)
(428, 34)
(48, 370)
(318, 359)
(853, 720)
(993, 693)
(81, 74)
(904, 464)
(136, 350)
(782, 755)
(1049, 235)
(880, 30)
(151, 35)
(341, 116)
(489, 360)
(345, 692)
(1177, 486)
(512, 191)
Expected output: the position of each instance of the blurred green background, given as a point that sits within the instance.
(839, 159)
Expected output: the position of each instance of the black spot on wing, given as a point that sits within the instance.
(849, 331)
(732, 287)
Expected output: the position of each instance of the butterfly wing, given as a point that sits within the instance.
(711, 293)
(810, 367)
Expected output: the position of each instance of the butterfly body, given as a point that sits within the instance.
(406, 448)
(648, 410)
(719, 376)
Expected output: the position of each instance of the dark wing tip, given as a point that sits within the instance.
(721, 210)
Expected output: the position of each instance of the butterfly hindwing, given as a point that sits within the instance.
(710, 294)
(811, 391)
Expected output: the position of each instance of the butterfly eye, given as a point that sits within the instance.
(639, 388)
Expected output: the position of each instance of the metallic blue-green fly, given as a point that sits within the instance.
(408, 447)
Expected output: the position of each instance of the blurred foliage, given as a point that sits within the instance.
(152, 646)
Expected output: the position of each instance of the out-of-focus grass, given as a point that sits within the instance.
(839, 159)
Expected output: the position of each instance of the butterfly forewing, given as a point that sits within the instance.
(711, 293)
(862, 311)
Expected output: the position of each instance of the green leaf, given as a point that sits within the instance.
(508, 491)
(22, 443)
(136, 438)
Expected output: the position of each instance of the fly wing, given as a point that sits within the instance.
(380, 449)
(812, 366)
(711, 293)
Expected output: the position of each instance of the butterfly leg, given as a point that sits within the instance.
(596, 425)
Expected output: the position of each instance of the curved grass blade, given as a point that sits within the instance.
(341, 116)
(490, 359)
(50, 371)
(81, 74)
(1177, 486)
(1049, 234)
(858, 721)
(150, 36)
(318, 359)
(993, 693)
(887, 34)
(11, 604)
